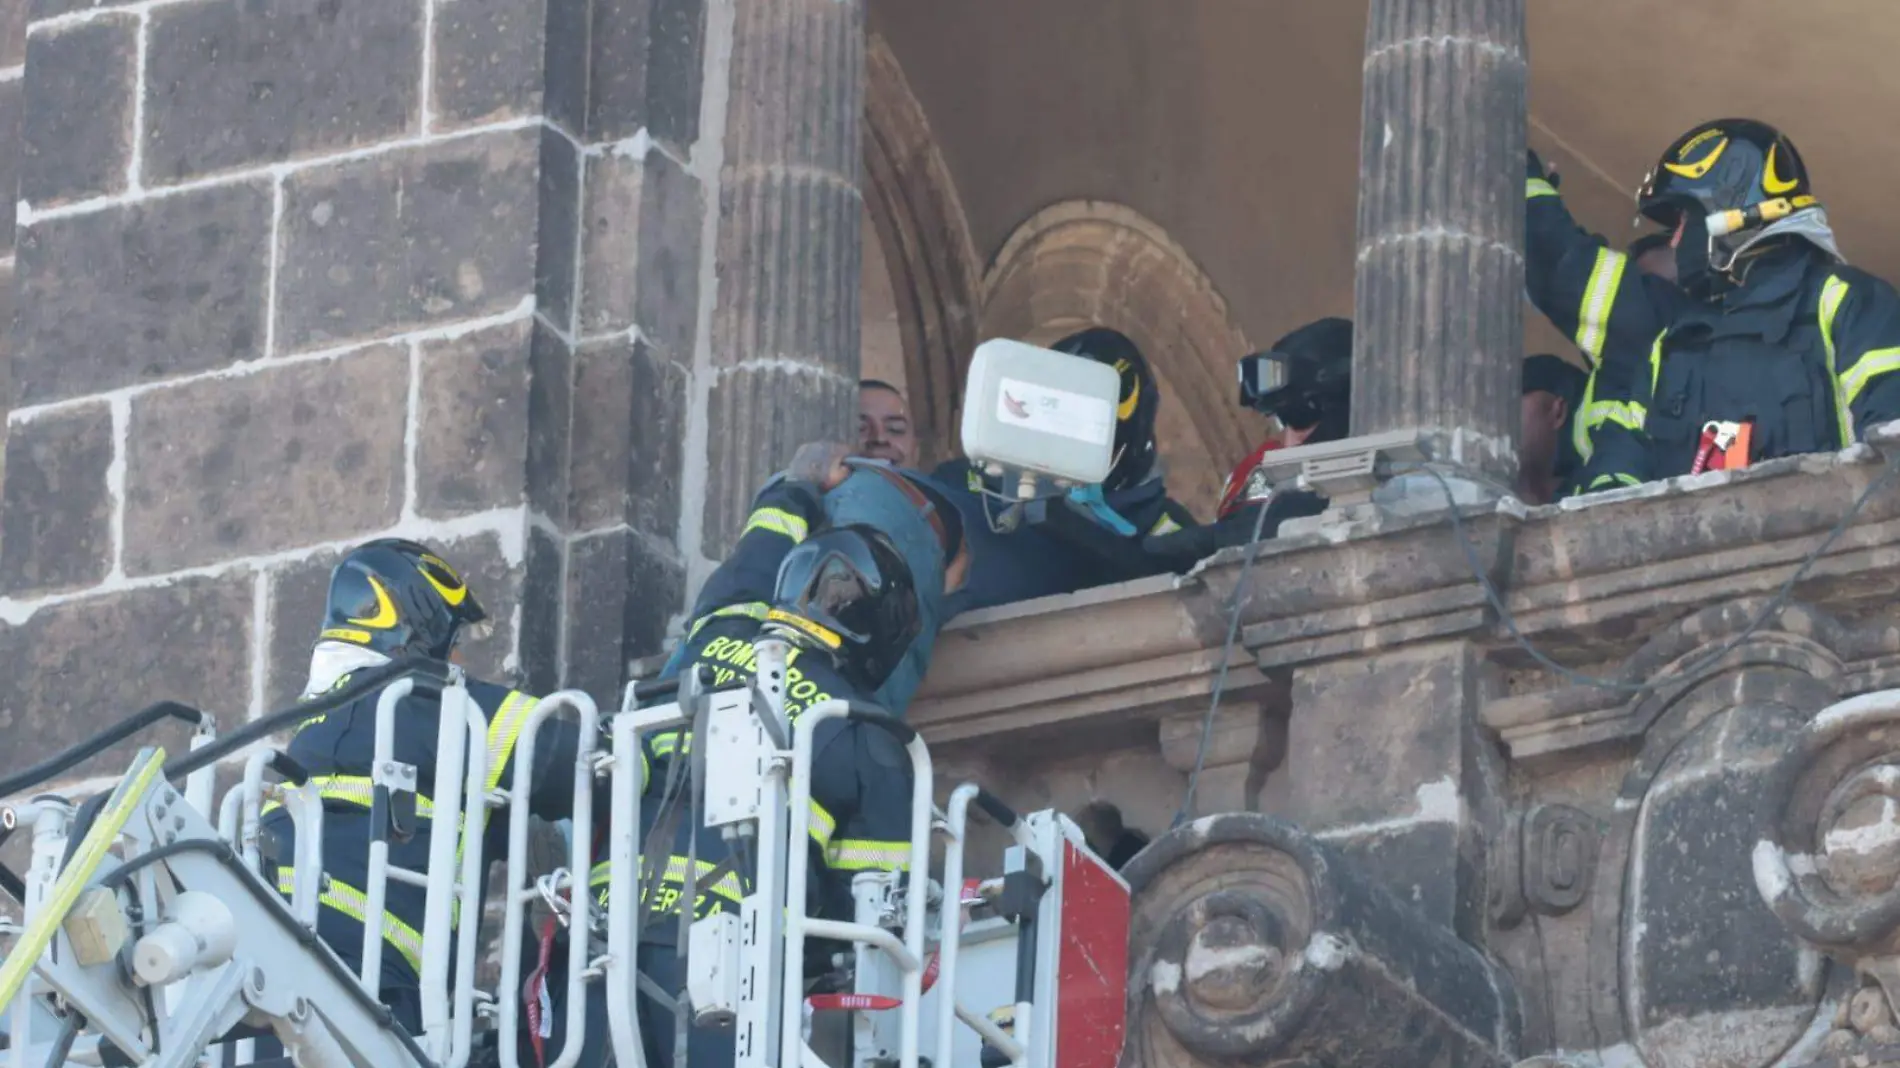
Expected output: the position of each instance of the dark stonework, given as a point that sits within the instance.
(1410, 863)
(401, 241)
(147, 292)
(618, 66)
(12, 33)
(265, 462)
(76, 137)
(42, 9)
(472, 430)
(10, 94)
(1440, 278)
(628, 429)
(558, 229)
(1253, 943)
(1374, 731)
(788, 246)
(56, 517)
(487, 61)
(541, 614)
(298, 592)
(233, 83)
(620, 594)
(640, 251)
(550, 412)
(114, 654)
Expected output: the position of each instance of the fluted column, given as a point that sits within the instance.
(1440, 276)
(785, 327)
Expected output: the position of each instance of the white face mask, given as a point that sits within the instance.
(330, 661)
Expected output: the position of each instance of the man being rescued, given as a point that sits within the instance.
(854, 593)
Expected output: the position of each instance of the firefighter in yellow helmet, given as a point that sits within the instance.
(397, 600)
(1766, 344)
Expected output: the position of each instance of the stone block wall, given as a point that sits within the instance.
(291, 274)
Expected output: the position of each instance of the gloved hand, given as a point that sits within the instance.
(1534, 167)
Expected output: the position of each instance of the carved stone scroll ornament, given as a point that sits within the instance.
(1544, 862)
(1256, 944)
(1828, 859)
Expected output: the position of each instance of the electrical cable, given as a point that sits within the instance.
(1509, 621)
(1227, 650)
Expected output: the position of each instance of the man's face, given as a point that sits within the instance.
(884, 427)
(1544, 415)
(1291, 437)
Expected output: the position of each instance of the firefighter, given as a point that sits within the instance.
(852, 599)
(1057, 546)
(1547, 453)
(396, 600)
(1767, 345)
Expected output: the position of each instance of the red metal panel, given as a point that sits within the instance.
(1092, 964)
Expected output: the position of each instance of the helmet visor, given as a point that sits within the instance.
(838, 583)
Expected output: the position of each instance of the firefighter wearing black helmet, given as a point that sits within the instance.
(1766, 345)
(1056, 546)
(396, 600)
(845, 598)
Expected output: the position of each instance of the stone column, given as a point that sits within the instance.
(784, 337)
(1440, 283)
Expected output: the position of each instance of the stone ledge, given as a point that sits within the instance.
(1598, 576)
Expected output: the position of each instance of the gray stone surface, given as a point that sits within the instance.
(558, 229)
(102, 658)
(620, 593)
(758, 416)
(472, 429)
(404, 240)
(292, 456)
(488, 56)
(617, 66)
(12, 33)
(76, 134)
(56, 515)
(10, 98)
(1410, 863)
(550, 413)
(628, 429)
(136, 294)
(298, 592)
(233, 83)
(640, 249)
(541, 605)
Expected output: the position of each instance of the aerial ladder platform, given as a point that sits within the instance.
(153, 932)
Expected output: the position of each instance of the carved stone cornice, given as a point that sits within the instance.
(1589, 582)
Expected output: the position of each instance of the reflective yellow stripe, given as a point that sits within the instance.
(504, 732)
(1833, 292)
(354, 903)
(777, 521)
(1538, 187)
(727, 886)
(1601, 481)
(1165, 525)
(1627, 414)
(865, 854)
(1655, 363)
(1599, 297)
(822, 825)
(1579, 427)
(356, 790)
(749, 610)
(1871, 366)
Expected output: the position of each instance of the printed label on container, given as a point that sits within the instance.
(1055, 411)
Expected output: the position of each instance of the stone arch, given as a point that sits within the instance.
(921, 229)
(1085, 263)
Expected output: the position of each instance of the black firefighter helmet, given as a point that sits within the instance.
(397, 598)
(1140, 401)
(1314, 383)
(847, 591)
(1720, 182)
